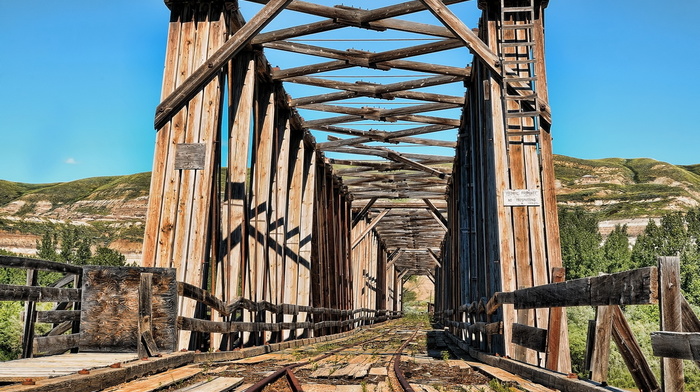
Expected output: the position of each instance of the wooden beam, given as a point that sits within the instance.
(632, 353)
(600, 360)
(395, 257)
(363, 212)
(366, 89)
(436, 213)
(634, 287)
(10, 292)
(691, 323)
(554, 329)
(370, 113)
(42, 265)
(213, 65)
(460, 30)
(435, 257)
(677, 345)
(369, 227)
(529, 337)
(671, 319)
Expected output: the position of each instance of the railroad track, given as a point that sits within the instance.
(294, 385)
(374, 360)
(390, 357)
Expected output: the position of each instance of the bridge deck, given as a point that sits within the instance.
(58, 365)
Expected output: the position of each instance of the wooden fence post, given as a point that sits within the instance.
(600, 359)
(29, 318)
(671, 320)
(554, 329)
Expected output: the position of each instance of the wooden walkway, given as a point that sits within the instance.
(59, 365)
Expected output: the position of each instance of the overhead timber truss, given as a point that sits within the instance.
(360, 147)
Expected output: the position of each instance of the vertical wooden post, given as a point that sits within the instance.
(179, 224)
(600, 359)
(75, 328)
(306, 232)
(555, 327)
(293, 227)
(671, 319)
(235, 215)
(29, 318)
(145, 343)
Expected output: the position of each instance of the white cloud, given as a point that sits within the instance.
(71, 161)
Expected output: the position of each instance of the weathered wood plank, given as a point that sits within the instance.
(10, 292)
(600, 360)
(110, 310)
(634, 287)
(52, 345)
(216, 61)
(57, 316)
(555, 327)
(218, 384)
(158, 381)
(678, 345)
(36, 264)
(670, 300)
(632, 353)
(530, 337)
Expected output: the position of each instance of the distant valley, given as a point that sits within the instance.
(620, 190)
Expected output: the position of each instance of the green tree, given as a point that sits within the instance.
(46, 246)
(107, 256)
(648, 245)
(616, 250)
(580, 243)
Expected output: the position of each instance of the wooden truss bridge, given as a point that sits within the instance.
(265, 228)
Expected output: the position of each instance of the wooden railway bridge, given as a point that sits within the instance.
(264, 227)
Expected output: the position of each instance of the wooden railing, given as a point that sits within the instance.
(335, 320)
(140, 283)
(680, 338)
(65, 315)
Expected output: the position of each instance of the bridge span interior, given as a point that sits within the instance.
(318, 154)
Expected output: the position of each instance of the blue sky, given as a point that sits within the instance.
(80, 80)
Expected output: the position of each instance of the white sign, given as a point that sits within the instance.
(522, 197)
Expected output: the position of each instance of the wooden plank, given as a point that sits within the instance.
(241, 93)
(110, 325)
(369, 227)
(634, 287)
(57, 316)
(555, 327)
(470, 40)
(308, 207)
(600, 359)
(632, 353)
(10, 292)
(158, 381)
(678, 345)
(57, 365)
(218, 384)
(530, 337)
(216, 61)
(36, 264)
(671, 319)
(163, 146)
(52, 345)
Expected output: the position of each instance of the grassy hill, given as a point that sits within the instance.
(115, 206)
(626, 188)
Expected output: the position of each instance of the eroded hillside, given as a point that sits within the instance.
(621, 190)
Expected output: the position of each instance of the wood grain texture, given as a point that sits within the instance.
(670, 300)
(110, 310)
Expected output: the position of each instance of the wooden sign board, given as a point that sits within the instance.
(190, 156)
(109, 314)
(522, 197)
